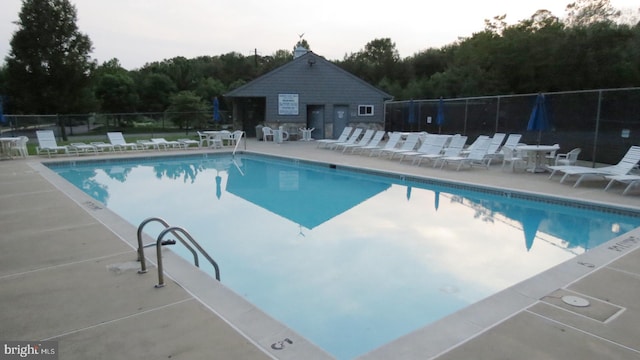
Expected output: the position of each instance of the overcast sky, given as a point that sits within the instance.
(140, 31)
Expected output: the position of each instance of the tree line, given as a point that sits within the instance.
(49, 69)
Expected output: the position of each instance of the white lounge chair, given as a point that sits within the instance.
(117, 140)
(342, 138)
(364, 140)
(624, 167)
(496, 144)
(432, 145)
(47, 143)
(102, 146)
(631, 180)
(148, 144)
(167, 144)
(185, 143)
(374, 143)
(394, 139)
(83, 148)
(475, 143)
(455, 148)
(355, 135)
(408, 145)
(512, 141)
(478, 156)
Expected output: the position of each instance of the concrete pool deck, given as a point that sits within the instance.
(68, 273)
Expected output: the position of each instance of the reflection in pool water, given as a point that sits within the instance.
(350, 261)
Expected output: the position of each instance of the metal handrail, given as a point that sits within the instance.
(143, 263)
(242, 135)
(173, 230)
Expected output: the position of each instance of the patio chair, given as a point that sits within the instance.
(355, 135)
(624, 167)
(551, 157)
(510, 156)
(478, 156)
(19, 148)
(235, 137)
(117, 140)
(267, 134)
(47, 143)
(342, 138)
(202, 138)
(569, 158)
(374, 143)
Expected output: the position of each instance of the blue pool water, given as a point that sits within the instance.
(350, 260)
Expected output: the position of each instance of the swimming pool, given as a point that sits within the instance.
(350, 260)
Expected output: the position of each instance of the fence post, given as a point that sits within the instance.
(595, 134)
(466, 114)
(497, 114)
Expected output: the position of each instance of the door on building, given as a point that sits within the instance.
(340, 119)
(315, 119)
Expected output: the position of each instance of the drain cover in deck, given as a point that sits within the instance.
(575, 301)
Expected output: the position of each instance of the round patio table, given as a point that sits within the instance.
(539, 152)
(306, 134)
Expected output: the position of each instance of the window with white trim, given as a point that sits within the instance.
(365, 110)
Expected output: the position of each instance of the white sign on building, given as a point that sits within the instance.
(288, 104)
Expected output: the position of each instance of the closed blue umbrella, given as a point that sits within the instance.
(440, 115)
(412, 113)
(2, 119)
(216, 110)
(539, 119)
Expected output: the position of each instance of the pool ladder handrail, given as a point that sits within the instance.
(175, 231)
(242, 135)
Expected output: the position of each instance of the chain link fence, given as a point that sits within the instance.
(603, 123)
(100, 124)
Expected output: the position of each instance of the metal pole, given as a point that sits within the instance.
(595, 135)
(466, 114)
(497, 114)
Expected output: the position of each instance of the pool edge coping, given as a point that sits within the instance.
(524, 294)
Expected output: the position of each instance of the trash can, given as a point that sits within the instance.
(259, 132)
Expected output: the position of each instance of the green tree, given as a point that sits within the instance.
(188, 110)
(115, 88)
(49, 65)
(155, 91)
(587, 12)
